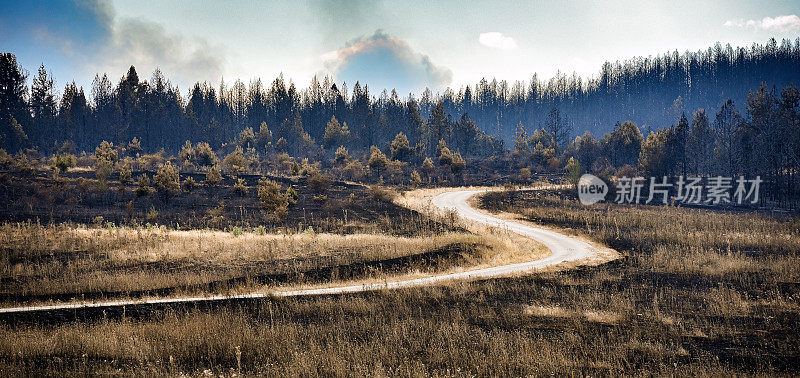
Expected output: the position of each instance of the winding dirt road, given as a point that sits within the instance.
(564, 249)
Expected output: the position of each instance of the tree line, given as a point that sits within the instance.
(477, 122)
(648, 91)
(764, 141)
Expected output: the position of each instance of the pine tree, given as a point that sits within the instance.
(624, 144)
(652, 158)
(43, 107)
(13, 106)
(676, 146)
(521, 139)
(336, 134)
(700, 144)
(726, 124)
(439, 124)
(558, 129)
(400, 148)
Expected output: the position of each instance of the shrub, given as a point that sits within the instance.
(106, 151)
(377, 160)
(134, 146)
(264, 135)
(189, 184)
(335, 133)
(427, 166)
(143, 186)
(443, 152)
(281, 144)
(553, 164)
(204, 155)
(6, 160)
(274, 203)
(342, 155)
(237, 231)
(319, 182)
(188, 167)
(152, 161)
(354, 170)
(187, 154)
(291, 195)
(125, 173)
(395, 167)
(167, 180)
(252, 158)
(103, 168)
(285, 162)
(458, 164)
(525, 173)
(213, 177)
(308, 169)
(63, 162)
(129, 209)
(215, 217)
(381, 193)
(240, 187)
(235, 162)
(626, 171)
(445, 156)
(416, 179)
(573, 169)
(152, 215)
(246, 138)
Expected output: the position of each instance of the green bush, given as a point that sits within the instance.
(63, 162)
(167, 180)
(213, 177)
(189, 184)
(291, 195)
(125, 173)
(240, 187)
(319, 182)
(274, 203)
(458, 164)
(143, 186)
(103, 168)
(377, 160)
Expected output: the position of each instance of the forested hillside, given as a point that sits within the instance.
(720, 112)
(652, 92)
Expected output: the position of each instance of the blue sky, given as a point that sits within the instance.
(407, 45)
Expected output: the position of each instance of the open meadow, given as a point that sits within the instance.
(724, 302)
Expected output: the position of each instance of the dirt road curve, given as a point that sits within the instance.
(564, 249)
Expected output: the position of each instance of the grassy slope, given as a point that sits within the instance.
(698, 293)
(42, 263)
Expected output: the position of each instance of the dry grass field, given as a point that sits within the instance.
(61, 263)
(697, 293)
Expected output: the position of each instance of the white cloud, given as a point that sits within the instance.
(386, 62)
(783, 23)
(148, 46)
(497, 40)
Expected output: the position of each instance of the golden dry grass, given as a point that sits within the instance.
(57, 260)
(677, 240)
(672, 306)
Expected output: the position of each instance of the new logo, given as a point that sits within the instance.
(591, 189)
